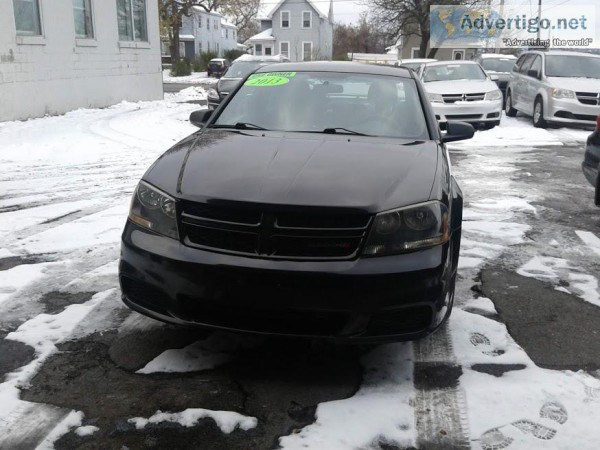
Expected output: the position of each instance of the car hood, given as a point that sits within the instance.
(576, 84)
(460, 86)
(370, 174)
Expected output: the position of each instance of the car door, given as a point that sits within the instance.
(531, 84)
(519, 87)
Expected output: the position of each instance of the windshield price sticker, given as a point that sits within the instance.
(269, 78)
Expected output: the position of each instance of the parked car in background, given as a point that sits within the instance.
(316, 201)
(239, 69)
(461, 90)
(555, 87)
(415, 64)
(499, 65)
(591, 161)
(217, 67)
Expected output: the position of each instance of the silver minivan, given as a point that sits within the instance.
(555, 87)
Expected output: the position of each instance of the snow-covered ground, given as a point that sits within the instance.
(65, 185)
(194, 78)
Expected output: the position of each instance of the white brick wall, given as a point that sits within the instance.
(56, 73)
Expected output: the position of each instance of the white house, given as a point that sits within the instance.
(202, 32)
(297, 29)
(59, 55)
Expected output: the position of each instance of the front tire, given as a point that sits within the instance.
(508, 109)
(538, 114)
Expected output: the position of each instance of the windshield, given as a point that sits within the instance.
(498, 65)
(327, 102)
(572, 66)
(451, 72)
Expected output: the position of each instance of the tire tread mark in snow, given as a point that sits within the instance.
(440, 411)
(29, 424)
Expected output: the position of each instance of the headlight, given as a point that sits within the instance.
(212, 93)
(154, 210)
(435, 98)
(408, 229)
(562, 93)
(493, 95)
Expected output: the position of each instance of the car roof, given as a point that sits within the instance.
(454, 61)
(340, 67)
(496, 56)
(253, 58)
(561, 53)
(217, 60)
(417, 60)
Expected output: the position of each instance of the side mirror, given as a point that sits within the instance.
(533, 73)
(494, 77)
(458, 131)
(200, 117)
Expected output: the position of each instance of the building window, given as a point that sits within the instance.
(131, 15)
(306, 51)
(207, 23)
(414, 52)
(268, 51)
(27, 17)
(284, 49)
(258, 49)
(306, 19)
(82, 14)
(226, 33)
(216, 25)
(218, 54)
(285, 19)
(199, 47)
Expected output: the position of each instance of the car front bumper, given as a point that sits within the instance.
(379, 299)
(482, 111)
(571, 111)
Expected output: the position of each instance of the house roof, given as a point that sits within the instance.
(266, 35)
(317, 5)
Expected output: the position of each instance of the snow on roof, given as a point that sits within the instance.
(266, 35)
(227, 24)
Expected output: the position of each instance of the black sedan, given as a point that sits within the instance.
(316, 201)
(591, 160)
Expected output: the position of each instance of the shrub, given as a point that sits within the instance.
(201, 63)
(181, 68)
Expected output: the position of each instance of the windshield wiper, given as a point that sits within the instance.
(241, 126)
(340, 130)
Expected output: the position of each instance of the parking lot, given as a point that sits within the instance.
(516, 367)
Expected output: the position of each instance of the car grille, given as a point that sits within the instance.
(588, 98)
(250, 230)
(463, 116)
(453, 98)
(402, 321)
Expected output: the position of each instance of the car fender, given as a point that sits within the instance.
(543, 93)
(597, 196)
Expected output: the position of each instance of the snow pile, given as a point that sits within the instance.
(18, 277)
(86, 431)
(227, 421)
(187, 94)
(73, 419)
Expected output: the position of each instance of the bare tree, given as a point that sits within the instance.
(364, 37)
(242, 13)
(403, 18)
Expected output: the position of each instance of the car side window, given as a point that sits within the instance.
(536, 65)
(526, 63)
(519, 62)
